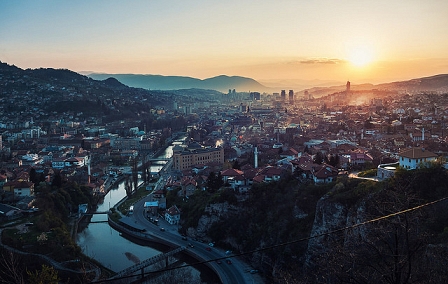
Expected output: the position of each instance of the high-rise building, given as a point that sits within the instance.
(291, 96)
(283, 95)
(347, 87)
(255, 96)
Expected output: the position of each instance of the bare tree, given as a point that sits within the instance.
(11, 271)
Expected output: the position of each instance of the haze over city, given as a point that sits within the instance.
(361, 41)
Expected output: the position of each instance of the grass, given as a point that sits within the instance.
(139, 194)
(368, 173)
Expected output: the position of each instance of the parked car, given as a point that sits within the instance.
(229, 261)
(208, 248)
(211, 244)
(162, 229)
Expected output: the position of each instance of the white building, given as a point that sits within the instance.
(413, 158)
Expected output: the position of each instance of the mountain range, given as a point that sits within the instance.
(220, 83)
(223, 83)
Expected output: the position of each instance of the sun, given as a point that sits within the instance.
(360, 56)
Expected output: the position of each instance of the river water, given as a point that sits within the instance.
(104, 244)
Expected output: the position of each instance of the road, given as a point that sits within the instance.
(229, 273)
(355, 175)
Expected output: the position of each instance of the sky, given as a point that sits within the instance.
(270, 41)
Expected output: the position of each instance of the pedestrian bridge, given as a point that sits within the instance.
(150, 261)
(159, 159)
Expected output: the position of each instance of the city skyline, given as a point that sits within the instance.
(360, 41)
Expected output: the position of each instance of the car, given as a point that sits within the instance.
(229, 261)
(208, 248)
(162, 229)
(211, 244)
(218, 262)
(184, 238)
(253, 271)
(191, 245)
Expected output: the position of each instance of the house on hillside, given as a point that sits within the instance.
(360, 159)
(19, 188)
(188, 186)
(413, 158)
(325, 173)
(233, 177)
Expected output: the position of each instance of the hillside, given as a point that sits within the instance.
(436, 83)
(48, 90)
(220, 83)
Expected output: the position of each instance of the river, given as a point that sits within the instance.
(104, 244)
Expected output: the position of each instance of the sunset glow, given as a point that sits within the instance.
(361, 56)
(266, 40)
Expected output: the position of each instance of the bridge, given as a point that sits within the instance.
(150, 261)
(159, 159)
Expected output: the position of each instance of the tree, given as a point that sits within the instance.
(135, 173)
(34, 178)
(11, 271)
(318, 158)
(57, 180)
(47, 275)
(214, 182)
(398, 249)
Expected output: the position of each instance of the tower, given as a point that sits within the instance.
(347, 87)
(88, 168)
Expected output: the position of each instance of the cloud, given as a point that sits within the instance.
(322, 61)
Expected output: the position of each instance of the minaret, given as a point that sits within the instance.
(256, 158)
(423, 134)
(88, 169)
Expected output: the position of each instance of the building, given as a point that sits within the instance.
(291, 96)
(19, 188)
(172, 215)
(413, 158)
(195, 154)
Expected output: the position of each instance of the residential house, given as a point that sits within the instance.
(413, 158)
(233, 177)
(271, 173)
(360, 159)
(172, 215)
(324, 173)
(19, 188)
(188, 186)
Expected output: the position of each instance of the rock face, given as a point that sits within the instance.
(212, 214)
(329, 216)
